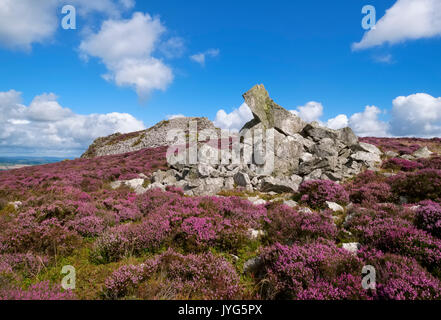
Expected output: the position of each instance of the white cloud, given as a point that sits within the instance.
(172, 48)
(45, 127)
(405, 20)
(312, 111)
(126, 47)
(417, 114)
(366, 123)
(201, 57)
(340, 121)
(26, 22)
(235, 120)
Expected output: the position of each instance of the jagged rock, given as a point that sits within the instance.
(366, 157)
(153, 137)
(317, 133)
(351, 247)
(229, 183)
(270, 114)
(242, 179)
(422, 153)
(370, 148)
(334, 206)
(205, 170)
(347, 136)
(277, 185)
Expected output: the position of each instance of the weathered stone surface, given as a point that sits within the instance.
(252, 265)
(299, 152)
(270, 114)
(422, 153)
(370, 148)
(351, 247)
(347, 136)
(242, 179)
(277, 185)
(153, 137)
(334, 206)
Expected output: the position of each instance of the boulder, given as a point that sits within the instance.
(422, 153)
(269, 184)
(351, 247)
(270, 114)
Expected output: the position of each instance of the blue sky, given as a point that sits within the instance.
(300, 50)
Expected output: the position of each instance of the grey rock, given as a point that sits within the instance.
(252, 265)
(270, 114)
(290, 203)
(408, 157)
(347, 136)
(242, 179)
(269, 184)
(351, 247)
(422, 153)
(391, 154)
(334, 206)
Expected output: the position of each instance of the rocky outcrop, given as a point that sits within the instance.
(153, 137)
(300, 151)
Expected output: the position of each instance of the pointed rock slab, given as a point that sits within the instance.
(270, 114)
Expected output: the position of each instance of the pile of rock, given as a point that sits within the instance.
(301, 151)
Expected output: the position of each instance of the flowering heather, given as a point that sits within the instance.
(399, 145)
(39, 291)
(417, 186)
(303, 271)
(401, 164)
(315, 193)
(286, 225)
(401, 278)
(201, 276)
(398, 236)
(369, 188)
(428, 217)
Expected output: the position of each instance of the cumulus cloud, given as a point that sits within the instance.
(234, 120)
(417, 114)
(202, 56)
(405, 20)
(366, 123)
(312, 111)
(125, 47)
(340, 121)
(45, 127)
(26, 22)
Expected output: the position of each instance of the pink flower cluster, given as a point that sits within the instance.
(315, 193)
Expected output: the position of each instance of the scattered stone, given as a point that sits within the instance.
(256, 234)
(351, 247)
(334, 206)
(256, 201)
(290, 203)
(252, 265)
(391, 154)
(422, 153)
